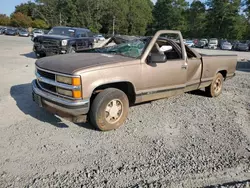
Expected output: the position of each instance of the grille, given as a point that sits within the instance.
(51, 44)
(48, 87)
(46, 74)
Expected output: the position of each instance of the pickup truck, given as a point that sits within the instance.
(99, 85)
(62, 40)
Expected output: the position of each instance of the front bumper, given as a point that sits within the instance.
(75, 111)
(49, 50)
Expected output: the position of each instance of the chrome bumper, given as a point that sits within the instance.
(73, 108)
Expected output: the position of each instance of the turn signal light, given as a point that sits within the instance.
(76, 81)
(77, 94)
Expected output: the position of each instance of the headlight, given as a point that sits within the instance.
(64, 79)
(64, 92)
(76, 81)
(64, 42)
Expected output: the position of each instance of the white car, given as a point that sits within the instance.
(37, 33)
(213, 43)
(189, 43)
(100, 38)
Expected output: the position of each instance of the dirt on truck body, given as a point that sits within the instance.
(99, 85)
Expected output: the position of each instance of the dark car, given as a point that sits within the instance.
(242, 47)
(62, 40)
(201, 44)
(11, 31)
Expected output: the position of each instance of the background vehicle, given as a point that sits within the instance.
(101, 83)
(213, 43)
(226, 46)
(201, 44)
(242, 46)
(36, 32)
(206, 41)
(62, 40)
(11, 31)
(23, 33)
(189, 43)
(1, 31)
(99, 38)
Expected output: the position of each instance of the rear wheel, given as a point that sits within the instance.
(109, 109)
(215, 89)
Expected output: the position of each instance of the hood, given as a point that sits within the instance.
(70, 63)
(59, 37)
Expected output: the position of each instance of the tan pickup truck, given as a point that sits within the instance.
(100, 84)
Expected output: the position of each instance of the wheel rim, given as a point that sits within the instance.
(114, 111)
(217, 85)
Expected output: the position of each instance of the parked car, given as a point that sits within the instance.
(242, 46)
(101, 84)
(189, 43)
(226, 46)
(36, 32)
(62, 40)
(1, 31)
(201, 44)
(99, 38)
(23, 33)
(213, 43)
(205, 40)
(11, 31)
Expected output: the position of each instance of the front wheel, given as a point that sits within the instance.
(109, 109)
(215, 89)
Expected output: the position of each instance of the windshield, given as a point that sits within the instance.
(62, 31)
(132, 49)
(213, 42)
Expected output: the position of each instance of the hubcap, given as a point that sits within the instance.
(217, 85)
(114, 111)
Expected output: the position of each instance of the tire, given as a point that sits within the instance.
(215, 89)
(72, 50)
(106, 105)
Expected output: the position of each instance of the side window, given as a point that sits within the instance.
(166, 47)
(172, 54)
(83, 34)
(90, 34)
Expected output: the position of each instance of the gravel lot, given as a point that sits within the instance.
(184, 141)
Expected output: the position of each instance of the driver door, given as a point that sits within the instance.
(167, 77)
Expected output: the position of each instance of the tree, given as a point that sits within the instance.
(4, 20)
(196, 16)
(38, 23)
(20, 20)
(170, 14)
(26, 8)
(224, 20)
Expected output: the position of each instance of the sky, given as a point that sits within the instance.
(8, 6)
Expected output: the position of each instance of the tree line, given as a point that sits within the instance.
(213, 18)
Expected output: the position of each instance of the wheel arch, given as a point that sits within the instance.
(223, 72)
(127, 87)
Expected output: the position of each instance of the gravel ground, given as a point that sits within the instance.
(184, 141)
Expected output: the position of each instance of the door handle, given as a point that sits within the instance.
(184, 66)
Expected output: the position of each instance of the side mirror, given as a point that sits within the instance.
(157, 58)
